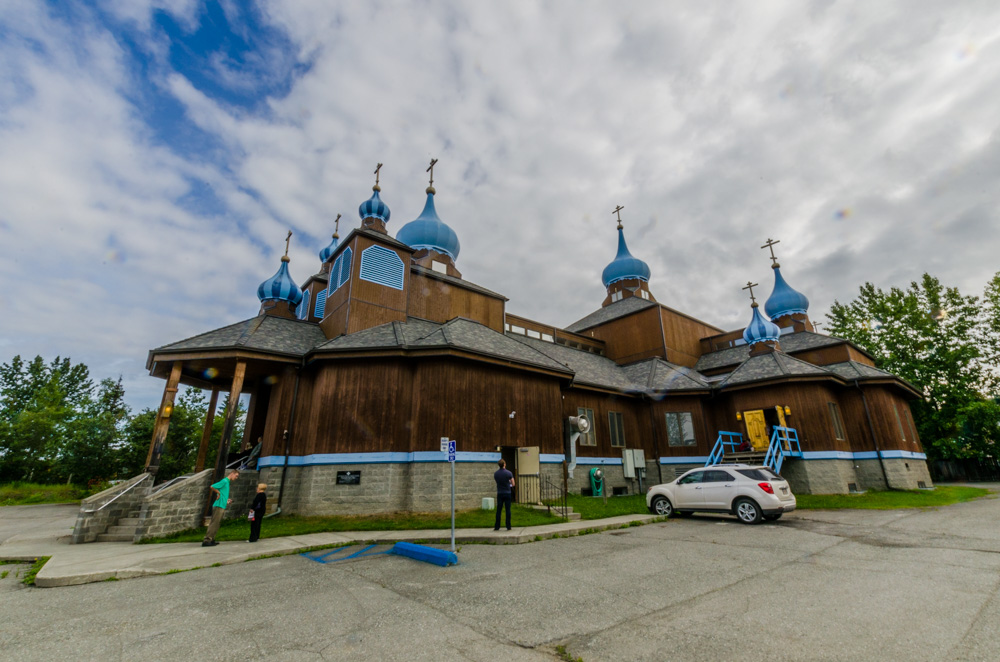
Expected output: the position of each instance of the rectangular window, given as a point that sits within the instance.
(590, 438)
(680, 428)
(838, 423)
(616, 424)
(899, 421)
(439, 267)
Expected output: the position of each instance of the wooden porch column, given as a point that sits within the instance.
(248, 426)
(163, 419)
(206, 434)
(227, 431)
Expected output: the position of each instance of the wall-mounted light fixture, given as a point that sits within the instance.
(739, 416)
(167, 409)
(499, 449)
(788, 410)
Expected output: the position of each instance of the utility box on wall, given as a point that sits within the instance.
(633, 463)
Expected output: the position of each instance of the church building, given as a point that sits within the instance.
(356, 374)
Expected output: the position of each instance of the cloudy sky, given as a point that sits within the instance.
(154, 153)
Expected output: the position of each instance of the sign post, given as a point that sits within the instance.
(451, 461)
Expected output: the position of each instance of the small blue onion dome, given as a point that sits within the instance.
(784, 300)
(624, 266)
(430, 232)
(280, 286)
(325, 254)
(759, 329)
(373, 207)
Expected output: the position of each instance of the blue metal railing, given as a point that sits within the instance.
(731, 439)
(784, 443)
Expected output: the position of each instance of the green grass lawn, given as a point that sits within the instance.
(939, 496)
(22, 494)
(293, 525)
(595, 508)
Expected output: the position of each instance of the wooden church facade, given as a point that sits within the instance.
(357, 374)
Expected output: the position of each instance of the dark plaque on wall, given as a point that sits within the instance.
(348, 478)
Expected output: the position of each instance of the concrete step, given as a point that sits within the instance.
(120, 530)
(115, 537)
(558, 512)
(129, 521)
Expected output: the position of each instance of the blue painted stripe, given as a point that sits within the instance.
(609, 461)
(684, 459)
(373, 458)
(553, 458)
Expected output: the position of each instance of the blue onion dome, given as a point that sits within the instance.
(430, 232)
(624, 266)
(280, 286)
(784, 300)
(373, 207)
(325, 254)
(759, 329)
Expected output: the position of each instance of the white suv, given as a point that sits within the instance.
(751, 493)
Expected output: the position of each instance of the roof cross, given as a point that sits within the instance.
(288, 240)
(750, 286)
(430, 169)
(336, 227)
(769, 244)
(377, 168)
(618, 211)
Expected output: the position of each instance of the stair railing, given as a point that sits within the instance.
(554, 496)
(732, 440)
(784, 443)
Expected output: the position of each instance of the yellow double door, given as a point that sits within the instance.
(756, 424)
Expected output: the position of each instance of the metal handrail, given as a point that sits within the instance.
(719, 450)
(784, 443)
(551, 492)
(172, 481)
(115, 497)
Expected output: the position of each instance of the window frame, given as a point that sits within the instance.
(588, 438)
(616, 432)
(680, 423)
(839, 433)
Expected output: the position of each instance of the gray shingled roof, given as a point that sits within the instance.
(658, 375)
(793, 342)
(459, 333)
(771, 366)
(590, 369)
(851, 370)
(263, 333)
(610, 312)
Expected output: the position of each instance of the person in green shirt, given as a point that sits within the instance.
(219, 507)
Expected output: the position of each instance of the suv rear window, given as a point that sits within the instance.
(760, 474)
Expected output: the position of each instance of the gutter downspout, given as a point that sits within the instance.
(288, 440)
(656, 446)
(871, 431)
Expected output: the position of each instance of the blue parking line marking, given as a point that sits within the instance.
(332, 556)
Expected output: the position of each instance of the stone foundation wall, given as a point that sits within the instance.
(94, 520)
(181, 506)
(836, 476)
(907, 474)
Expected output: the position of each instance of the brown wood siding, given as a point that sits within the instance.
(808, 403)
(824, 355)
(635, 419)
(682, 337)
(279, 406)
(471, 403)
(335, 322)
(633, 337)
(364, 315)
(704, 439)
(880, 403)
(438, 301)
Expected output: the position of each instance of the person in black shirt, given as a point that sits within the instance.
(505, 486)
(257, 512)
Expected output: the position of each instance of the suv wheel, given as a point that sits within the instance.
(747, 511)
(661, 506)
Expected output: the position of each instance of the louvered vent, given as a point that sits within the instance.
(320, 304)
(382, 266)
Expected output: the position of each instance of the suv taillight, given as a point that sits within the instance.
(766, 487)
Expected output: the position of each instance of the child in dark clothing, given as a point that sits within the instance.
(257, 512)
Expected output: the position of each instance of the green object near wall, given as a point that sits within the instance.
(597, 482)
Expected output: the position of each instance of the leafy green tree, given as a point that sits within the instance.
(980, 435)
(990, 333)
(93, 444)
(931, 336)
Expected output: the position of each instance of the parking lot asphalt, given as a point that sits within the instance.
(817, 585)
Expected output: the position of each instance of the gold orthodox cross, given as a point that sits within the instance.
(288, 240)
(377, 168)
(750, 287)
(430, 169)
(618, 211)
(769, 244)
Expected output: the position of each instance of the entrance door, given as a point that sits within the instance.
(756, 429)
(528, 481)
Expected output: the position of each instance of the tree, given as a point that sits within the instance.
(931, 336)
(93, 446)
